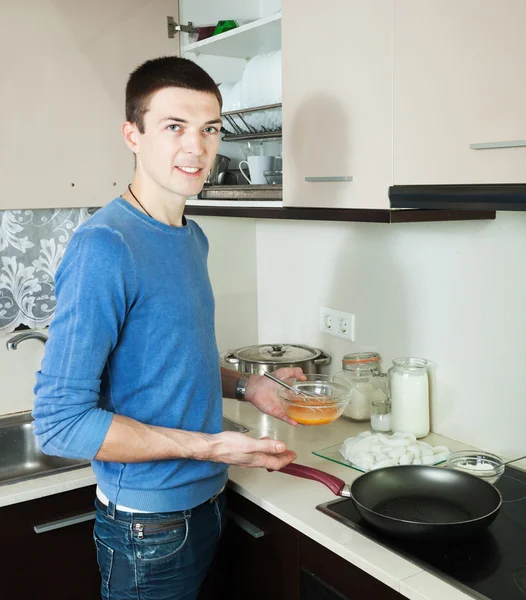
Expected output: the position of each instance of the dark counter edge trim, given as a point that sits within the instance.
(505, 196)
(341, 214)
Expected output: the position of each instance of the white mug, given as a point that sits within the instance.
(257, 165)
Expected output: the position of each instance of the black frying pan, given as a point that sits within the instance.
(415, 501)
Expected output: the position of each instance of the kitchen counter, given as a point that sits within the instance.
(291, 499)
(294, 500)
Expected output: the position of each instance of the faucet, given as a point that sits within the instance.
(12, 343)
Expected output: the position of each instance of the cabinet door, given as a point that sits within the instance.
(59, 561)
(459, 80)
(62, 90)
(257, 557)
(337, 103)
(327, 576)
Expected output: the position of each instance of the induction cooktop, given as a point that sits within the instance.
(491, 565)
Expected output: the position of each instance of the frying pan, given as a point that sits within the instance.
(416, 502)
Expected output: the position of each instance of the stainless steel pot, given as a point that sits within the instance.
(218, 170)
(269, 357)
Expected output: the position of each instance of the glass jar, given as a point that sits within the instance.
(361, 375)
(381, 416)
(409, 391)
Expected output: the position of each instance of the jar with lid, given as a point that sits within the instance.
(361, 374)
(409, 390)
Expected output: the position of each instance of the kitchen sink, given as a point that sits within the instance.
(20, 456)
(229, 425)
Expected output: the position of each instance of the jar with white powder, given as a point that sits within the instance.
(409, 391)
(361, 375)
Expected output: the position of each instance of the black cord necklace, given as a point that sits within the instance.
(137, 200)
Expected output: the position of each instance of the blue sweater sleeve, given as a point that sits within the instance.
(95, 286)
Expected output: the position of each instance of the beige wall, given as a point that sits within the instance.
(451, 292)
(233, 271)
(17, 374)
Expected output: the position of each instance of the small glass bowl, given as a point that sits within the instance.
(485, 465)
(274, 177)
(330, 404)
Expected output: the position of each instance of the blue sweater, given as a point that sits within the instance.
(134, 335)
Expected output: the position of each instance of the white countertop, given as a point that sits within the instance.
(294, 500)
(291, 499)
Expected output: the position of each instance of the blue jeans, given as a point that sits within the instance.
(156, 556)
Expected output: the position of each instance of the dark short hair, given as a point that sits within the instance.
(160, 73)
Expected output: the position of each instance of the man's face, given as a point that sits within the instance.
(180, 139)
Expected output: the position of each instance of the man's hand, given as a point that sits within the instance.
(261, 392)
(243, 451)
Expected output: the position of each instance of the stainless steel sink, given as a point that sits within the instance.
(20, 456)
(229, 425)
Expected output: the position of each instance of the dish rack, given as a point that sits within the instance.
(261, 122)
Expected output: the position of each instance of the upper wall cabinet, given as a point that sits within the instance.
(337, 103)
(459, 88)
(62, 89)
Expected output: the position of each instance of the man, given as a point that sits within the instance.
(130, 376)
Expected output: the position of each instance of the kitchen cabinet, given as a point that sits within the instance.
(262, 557)
(337, 98)
(60, 561)
(337, 103)
(63, 96)
(226, 56)
(257, 557)
(327, 576)
(458, 81)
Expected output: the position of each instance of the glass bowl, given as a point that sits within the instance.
(485, 465)
(329, 403)
(274, 177)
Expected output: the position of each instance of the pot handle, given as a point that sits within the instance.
(335, 484)
(323, 359)
(230, 358)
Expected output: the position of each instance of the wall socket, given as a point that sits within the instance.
(337, 322)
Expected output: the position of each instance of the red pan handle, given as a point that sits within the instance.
(335, 484)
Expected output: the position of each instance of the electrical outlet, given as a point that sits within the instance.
(337, 323)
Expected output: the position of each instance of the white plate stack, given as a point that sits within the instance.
(259, 86)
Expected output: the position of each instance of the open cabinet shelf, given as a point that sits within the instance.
(258, 37)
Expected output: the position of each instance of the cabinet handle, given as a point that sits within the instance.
(245, 525)
(337, 178)
(493, 145)
(60, 523)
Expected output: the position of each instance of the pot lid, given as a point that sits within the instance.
(276, 353)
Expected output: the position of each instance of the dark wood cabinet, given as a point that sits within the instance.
(326, 571)
(59, 561)
(261, 557)
(257, 557)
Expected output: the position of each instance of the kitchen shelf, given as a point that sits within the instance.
(258, 37)
(242, 192)
(262, 135)
(238, 126)
(341, 214)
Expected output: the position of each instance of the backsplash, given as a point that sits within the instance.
(32, 243)
(451, 292)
